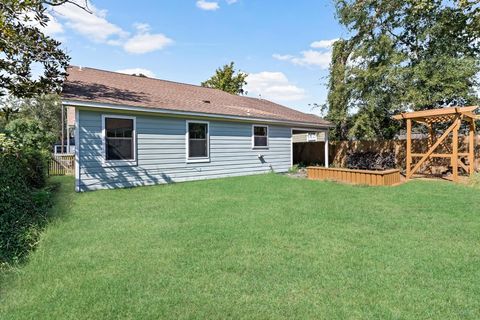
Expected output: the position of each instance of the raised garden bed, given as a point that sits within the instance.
(367, 177)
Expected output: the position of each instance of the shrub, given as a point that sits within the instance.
(371, 160)
(36, 165)
(23, 206)
(29, 134)
(22, 209)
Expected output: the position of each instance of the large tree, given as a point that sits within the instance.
(46, 110)
(227, 79)
(402, 54)
(23, 46)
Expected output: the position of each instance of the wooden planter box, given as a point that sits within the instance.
(367, 177)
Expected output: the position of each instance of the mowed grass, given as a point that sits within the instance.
(258, 247)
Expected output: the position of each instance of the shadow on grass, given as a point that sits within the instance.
(61, 192)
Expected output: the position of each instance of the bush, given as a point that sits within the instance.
(23, 204)
(371, 160)
(28, 134)
(22, 209)
(36, 164)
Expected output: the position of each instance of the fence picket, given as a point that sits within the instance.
(61, 164)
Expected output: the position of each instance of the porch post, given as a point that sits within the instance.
(326, 149)
(68, 139)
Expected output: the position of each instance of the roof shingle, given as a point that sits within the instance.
(93, 85)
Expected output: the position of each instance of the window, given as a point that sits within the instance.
(119, 138)
(311, 137)
(260, 136)
(197, 141)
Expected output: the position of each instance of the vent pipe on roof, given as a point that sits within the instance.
(79, 68)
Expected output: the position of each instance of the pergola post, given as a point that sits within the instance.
(431, 141)
(471, 148)
(409, 147)
(454, 161)
(326, 149)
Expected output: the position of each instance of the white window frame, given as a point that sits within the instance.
(187, 144)
(117, 163)
(253, 136)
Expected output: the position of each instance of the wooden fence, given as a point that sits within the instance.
(313, 152)
(61, 164)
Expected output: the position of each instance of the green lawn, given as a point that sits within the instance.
(259, 247)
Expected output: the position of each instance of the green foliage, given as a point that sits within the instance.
(9, 110)
(294, 169)
(225, 79)
(44, 109)
(36, 167)
(23, 207)
(338, 92)
(401, 55)
(47, 111)
(29, 134)
(23, 45)
(23, 177)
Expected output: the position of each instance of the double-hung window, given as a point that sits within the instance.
(197, 141)
(259, 136)
(119, 139)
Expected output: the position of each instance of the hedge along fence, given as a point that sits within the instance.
(24, 202)
(313, 152)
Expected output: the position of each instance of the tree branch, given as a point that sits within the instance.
(62, 2)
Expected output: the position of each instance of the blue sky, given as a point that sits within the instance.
(284, 46)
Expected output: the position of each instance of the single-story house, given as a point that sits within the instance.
(132, 130)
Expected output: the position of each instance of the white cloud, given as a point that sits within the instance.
(313, 58)
(273, 86)
(308, 58)
(93, 25)
(323, 44)
(283, 57)
(144, 41)
(317, 58)
(208, 5)
(96, 27)
(231, 1)
(143, 71)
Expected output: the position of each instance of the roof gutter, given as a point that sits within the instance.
(89, 104)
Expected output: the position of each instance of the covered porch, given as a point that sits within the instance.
(310, 147)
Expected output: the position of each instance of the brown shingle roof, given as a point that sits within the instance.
(93, 85)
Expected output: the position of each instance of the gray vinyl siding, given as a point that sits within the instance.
(161, 152)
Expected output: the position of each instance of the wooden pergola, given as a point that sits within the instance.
(453, 116)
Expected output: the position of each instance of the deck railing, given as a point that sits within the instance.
(61, 164)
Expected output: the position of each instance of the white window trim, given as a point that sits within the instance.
(118, 163)
(187, 144)
(253, 137)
